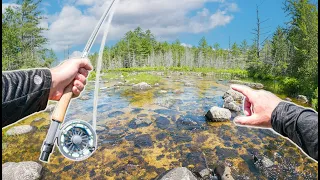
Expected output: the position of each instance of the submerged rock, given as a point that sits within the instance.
(141, 86)
(139, 122)
(302, 99)
(115, 114)
(28, 170)
(216, 114)
(196, 159)
(143, 141)
(234, 94)
(189, 122)
(232, 106)
(180, 173)
(162, 122)
(23, 129)
(85, 97)
(100, 128)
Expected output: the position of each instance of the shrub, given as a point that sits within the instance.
(290, 86)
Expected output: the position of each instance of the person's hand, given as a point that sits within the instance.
(72, 71)
(258, 106)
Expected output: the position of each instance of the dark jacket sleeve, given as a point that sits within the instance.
(23, 93)
(298, 124)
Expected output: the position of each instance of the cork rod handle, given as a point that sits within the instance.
(62, 106)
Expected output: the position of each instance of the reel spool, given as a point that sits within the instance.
(77, 140)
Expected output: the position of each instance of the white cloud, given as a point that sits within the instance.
(186, 45)
(165, 18)
(6, 5)
(76, 54)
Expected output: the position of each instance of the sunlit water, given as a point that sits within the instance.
(174, 134)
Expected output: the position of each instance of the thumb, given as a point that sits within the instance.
(247, 120)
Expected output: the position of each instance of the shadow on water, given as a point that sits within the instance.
(144, 134)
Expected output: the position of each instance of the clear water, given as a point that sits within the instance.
(178, 135)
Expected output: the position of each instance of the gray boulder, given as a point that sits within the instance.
(217, 114)
(302, 99)
(141, 86)
(180, 173)
(23, 129)
(228, 99)
(232, 106)
(234, 94)
(28, 170)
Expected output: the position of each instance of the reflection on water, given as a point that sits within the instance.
(143, 134)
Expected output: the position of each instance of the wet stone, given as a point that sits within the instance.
(100, 128)
(196, 159)
(180, 138)
(189, 122)
(130, 137)
(17, 130)
(142, 115)
(161, 136)
(67, 168)
(168, 112)
(162, 122)
(136, 110)
(122, 154)
(224, 153)
(143, 141)
(139, 122)
(160, 157)
(115, 114)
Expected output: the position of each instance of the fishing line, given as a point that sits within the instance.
(99, 62)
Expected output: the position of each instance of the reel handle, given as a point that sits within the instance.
(62, 105)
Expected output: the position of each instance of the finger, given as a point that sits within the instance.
(75, 91)
(78, 85)
(85, 63)
(84, 72)
(81, 78)
(247, 107)
(245, 90)
(247, 120)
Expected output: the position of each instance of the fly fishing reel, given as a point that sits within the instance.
(77, 140)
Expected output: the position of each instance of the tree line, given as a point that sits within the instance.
(23, 42)
(289, 57)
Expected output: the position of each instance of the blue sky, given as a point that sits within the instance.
(71, 22)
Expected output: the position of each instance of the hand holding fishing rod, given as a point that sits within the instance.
(77, 140)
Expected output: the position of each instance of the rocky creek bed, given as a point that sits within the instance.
(145, 132)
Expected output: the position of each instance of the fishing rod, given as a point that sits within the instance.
(76, 139)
